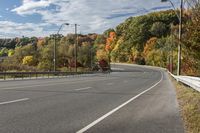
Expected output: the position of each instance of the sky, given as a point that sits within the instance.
(41, 18)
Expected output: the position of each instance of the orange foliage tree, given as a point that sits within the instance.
(109, 41)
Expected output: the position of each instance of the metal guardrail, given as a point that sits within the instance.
(193, 82)
(30, 75)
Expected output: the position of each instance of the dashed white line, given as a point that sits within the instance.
(14, 101)
(117, 108)
(81, 89)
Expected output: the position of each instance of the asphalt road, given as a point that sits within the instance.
(131, 100)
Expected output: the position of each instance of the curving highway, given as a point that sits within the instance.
(132, 99)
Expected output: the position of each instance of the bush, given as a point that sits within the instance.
(103, 64)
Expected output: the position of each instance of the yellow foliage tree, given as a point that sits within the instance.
(101, 54)
(28, 60)
(149, 46)
(156, 58)
(41, 42)
(116, 51)
(11, 52)
(135, 53)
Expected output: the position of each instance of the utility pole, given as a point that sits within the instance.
(54, 54)
(180, 16)
(75, 47)
(171, 51)
(180, 39)
(91, 59)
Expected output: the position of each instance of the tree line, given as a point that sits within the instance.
(150, 39)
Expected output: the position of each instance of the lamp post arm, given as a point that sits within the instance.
(60, 28)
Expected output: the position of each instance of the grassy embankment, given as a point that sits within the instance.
(189, 103)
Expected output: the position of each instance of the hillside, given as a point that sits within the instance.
(152, 39)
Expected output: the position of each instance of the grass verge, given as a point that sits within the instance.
(189, 103)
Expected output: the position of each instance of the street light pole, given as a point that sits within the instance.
(54, 55)
(91, 59)
(180, 16)
(75, 47)
(171, 51)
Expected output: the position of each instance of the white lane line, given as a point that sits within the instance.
(81, 89)
(116, 109)
(14, 101)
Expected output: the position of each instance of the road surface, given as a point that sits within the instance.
(131, 100)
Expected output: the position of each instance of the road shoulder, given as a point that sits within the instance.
(188, 100)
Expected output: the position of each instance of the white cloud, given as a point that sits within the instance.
(29, 6)
(92, 15)
(12, 29)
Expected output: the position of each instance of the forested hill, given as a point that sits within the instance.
(152, 39)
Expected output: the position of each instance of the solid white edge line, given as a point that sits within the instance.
(116, 109)
(14, 101)
(80, 89)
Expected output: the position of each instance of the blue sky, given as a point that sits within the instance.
(43, 17)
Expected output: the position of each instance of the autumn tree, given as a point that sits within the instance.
(101, 54)
(11, 52)
(101, 39)
(85, 55)
(149, 46)
(159, 29)
(46, 58)
(28, 60)
(191, 41)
